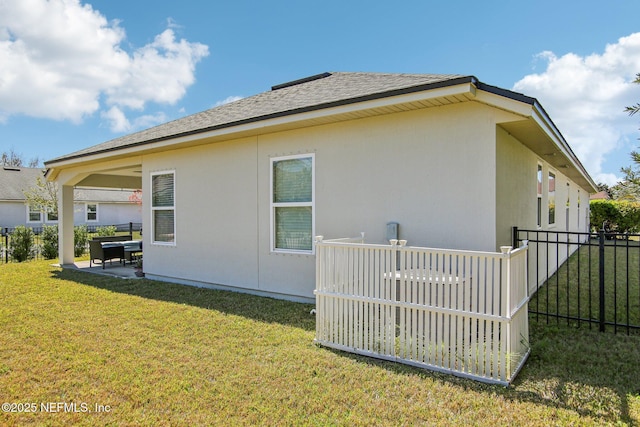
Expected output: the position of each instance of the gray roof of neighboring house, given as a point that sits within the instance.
(16, 180)
(309, 94)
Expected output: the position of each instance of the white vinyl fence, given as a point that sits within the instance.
(459, 312)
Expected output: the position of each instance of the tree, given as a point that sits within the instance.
(629, 187)
(634, 108)
(43, 196)
(13, 159)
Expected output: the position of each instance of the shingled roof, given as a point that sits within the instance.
(312, 93)
(15, 180)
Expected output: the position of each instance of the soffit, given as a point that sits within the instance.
(531, 135)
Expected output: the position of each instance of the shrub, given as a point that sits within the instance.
(603, 213)
(21, 244)
(629, 221)
(107, 230)
(80, 239)
(50, 241)
(620, 216)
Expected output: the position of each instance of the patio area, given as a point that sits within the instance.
(114, 269)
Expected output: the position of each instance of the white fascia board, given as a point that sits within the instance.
(511, 105)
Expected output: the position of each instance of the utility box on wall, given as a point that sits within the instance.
(392, 230)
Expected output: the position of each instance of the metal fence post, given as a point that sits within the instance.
(6, 245)
(601, 278)
(514, 237)
(130, 229)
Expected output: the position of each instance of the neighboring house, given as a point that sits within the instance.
(600, 195)
(91, 207)
(233, 196)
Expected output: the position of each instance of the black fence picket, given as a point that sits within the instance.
(608, 262)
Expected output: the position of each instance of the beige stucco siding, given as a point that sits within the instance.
(412, 168)
(432, 171)
(216, 214)
(516, 183)
(516, 186)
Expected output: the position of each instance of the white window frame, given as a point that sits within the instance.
(34, 211)
(549, 198)
(274, 205)
(568, 207)
(86, 212)
(539, 190)
(165, 208)
(578, 209)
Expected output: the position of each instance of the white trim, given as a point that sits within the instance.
(539, 192)
(555, 193)
(152, 209)
(273, 205)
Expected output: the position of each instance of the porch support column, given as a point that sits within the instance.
(65, 224)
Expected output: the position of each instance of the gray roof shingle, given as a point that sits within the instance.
(316, 92)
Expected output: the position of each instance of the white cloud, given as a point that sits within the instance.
(119, 123)
(59, 58)
(586, 96)
(228, 100)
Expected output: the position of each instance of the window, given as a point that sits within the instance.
(578, 210)
(292, 203)
(539, 195)
(568, 207)
(163, 208)
(552, 199)
(51, 216)
(34, 214)
(92, 212)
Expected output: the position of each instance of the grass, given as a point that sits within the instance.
(161, 354)
(573, 292)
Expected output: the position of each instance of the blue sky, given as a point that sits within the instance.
(74, 74)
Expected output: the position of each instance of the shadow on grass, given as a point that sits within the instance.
(593, 374)
(257, 308)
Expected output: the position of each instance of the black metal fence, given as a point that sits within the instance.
(590, 279)
(6, 234)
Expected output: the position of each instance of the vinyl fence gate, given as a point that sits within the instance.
(459, 312)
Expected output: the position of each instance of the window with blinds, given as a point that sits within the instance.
(163, 207)
(292, 203)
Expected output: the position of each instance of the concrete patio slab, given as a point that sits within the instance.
(115, 270)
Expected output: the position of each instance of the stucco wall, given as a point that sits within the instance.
(516, 183)
(432, 171)
(12, 214)
(108, 213)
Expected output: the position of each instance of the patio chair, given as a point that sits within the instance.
(105, 252)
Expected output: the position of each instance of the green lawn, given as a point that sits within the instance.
(150, 353)
(573, 292)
